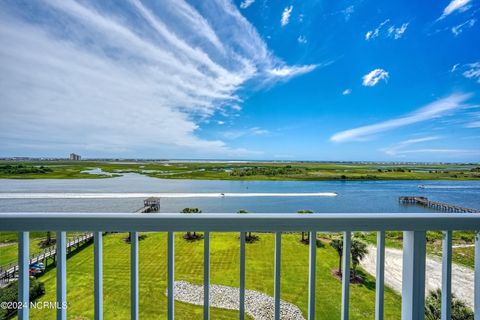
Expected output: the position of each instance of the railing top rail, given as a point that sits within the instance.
(238, 222)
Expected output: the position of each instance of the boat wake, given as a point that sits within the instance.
(19, 195)
(448, 187)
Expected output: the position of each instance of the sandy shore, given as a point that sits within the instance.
(462, 277)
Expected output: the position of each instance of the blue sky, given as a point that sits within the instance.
(281, 80)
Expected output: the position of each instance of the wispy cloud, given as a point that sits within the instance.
(388, 30)
(286, 15)
(468, 70)
(372, 34)
(374, 76)
(400, 147)
(433, 110)
(473, 71)
(291, 71)
(247, 3)
(348, 12)
(453, 6)
(443, 151)
(254, 131)
(456, 30)
(397, 32)
(346, 92)
(125, 80)
(302, 39)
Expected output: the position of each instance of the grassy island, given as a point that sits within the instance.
(239, 170)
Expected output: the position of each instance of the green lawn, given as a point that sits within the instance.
(224, 270)
(9, 247)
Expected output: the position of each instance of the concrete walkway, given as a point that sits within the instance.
(462, 277)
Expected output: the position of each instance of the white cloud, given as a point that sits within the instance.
(391, 30)
(104, 82)
(456, 30)
(254, 131)
(247, 3)
(433, 110)
(473, 124)
(220, 122)
(443, 151)
(291, 71)
(473, 71)
(397, 33)
(399, 148)
(375, 32)
(468, 70)
(374, 76)
(302, 39)
(348, 12)
(455, 5)
(286, 15)
(346, 92)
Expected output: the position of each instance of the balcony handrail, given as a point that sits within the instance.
(414, 226)
(231, 222)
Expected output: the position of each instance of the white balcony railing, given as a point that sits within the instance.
(414, 250)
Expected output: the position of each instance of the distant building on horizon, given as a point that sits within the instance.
(75, 157)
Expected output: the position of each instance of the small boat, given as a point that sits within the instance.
(222, 194)
(421, 186)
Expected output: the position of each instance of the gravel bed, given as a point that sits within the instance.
(257, 305)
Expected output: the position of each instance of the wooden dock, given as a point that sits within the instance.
(10, 271)
(441, 206)
(151, 204)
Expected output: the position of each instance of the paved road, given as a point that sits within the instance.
(462, 277)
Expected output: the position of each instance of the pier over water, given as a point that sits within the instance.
(423, 201)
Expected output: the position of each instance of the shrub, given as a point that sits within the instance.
(10, 294)
(460, 311)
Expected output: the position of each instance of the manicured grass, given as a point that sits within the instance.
(224, 270)
(9, 249)
(252, 170)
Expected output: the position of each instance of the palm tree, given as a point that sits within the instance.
(249, 237)
(303, 232)
(358, 251)
(49, 237)
(433, 306)
(188, 235)
(337, 244)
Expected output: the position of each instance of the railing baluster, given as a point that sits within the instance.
(206, 276)
(134, 275)
(278, 259)
(61, 275)
(380, 275)
(242, 276)
(171, 275)
(346, 274)
(98, 276)
(413, 275)
(477, 277)
(23, 274)
(446, 275)
(312, 275)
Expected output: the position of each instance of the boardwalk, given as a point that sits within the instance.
(9, 271)
(423, 201)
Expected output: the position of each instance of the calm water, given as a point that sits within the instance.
(353, 196)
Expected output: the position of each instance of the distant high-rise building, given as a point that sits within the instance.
(75, 157)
